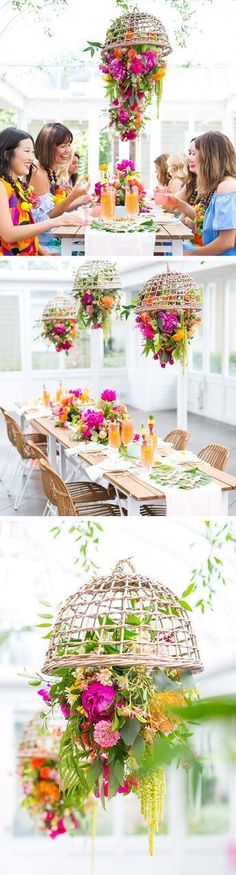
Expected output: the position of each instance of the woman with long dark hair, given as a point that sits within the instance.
(18, 231)
(216, 183)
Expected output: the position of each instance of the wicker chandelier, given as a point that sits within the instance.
(59, 308)
(97, 274)
(84, 632)
(40, 742)
(135, 28)
(171, 290)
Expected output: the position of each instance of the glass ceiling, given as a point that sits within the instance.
(27, 49)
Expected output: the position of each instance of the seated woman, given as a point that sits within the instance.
(216, 181)
(74, 169)
(162, 174)
(18, 232)
(53, 151)
(177, 170)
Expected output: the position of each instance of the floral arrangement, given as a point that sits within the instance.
(69, 408)
(28, 198)
(93, 424)
(124, 170)
(133, 69)
(114, 716)
(43, 799)
(97, 300)
(167, 334)
(60, 331)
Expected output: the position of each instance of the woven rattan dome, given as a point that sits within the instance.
(97, 274)
(142, 27)
(38, 741)
(60, 307)
(170, 291)
(163, 632)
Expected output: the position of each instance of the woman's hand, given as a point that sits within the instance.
(65, 219)
(81, 188)
(172, 202)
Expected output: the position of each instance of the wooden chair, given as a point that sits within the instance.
(76, 499)
(178, 438)
(23, 444)
(216, 455)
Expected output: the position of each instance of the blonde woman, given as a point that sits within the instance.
(177, 170)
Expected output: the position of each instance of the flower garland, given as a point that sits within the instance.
(132, 74)
(24, 193)
(200, 209)
(96, 304)
(114, 716)
(59, 331)
(124, 169)
(43, 799)
(167, 334)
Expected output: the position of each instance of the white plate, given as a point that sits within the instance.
(182, 456)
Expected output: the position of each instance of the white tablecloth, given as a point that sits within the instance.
(129, 243)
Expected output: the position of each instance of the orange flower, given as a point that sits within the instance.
(159, 711)
(153, 35)
(179, 334)
(132, 54)
(107, 302)
(37, 762)
(146, 318)
(45, 772)
(138, 122)
(158, 76)
(118, 53)
(129, 34)
(48, 790)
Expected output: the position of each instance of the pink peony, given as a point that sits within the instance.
(123, 115)
(108, 395)
(98, 700)
(168, 322)
(60, 328)
(104, 734)
(126, 165)
(137, 65)
(87, 298)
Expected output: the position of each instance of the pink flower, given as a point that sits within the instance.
(87, 297)
(104, 734)
(60, 328)
(108, 395)
(168, 322)
(136, 437)
(45, 693)
(98, 700)
(137, 65)
(123, 115)
(125, 164)
(60, 829)
(76, 392)
(65, 709)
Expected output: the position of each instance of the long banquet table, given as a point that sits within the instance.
(170, 238)
(129, 483)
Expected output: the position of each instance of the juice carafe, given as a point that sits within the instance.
(127, 431)
(46, 397)
(108, 203)
(132, 200)
(114, 437)
(152, 432)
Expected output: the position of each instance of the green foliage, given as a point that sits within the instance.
(87, 538)
(8, 118)
(74, 783)
(209, 576)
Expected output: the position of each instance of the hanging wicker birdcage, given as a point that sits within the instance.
(95, 275)
(40, 741)
(94, 627)
(137, 28)
(170, 291)
(59, 308)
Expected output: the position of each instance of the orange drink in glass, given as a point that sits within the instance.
(46, 397)
(147, 453)
(127, 431)
(59, 393)
(114, 437)
(132, 200)
(108, 202)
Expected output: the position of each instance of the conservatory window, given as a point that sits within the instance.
(114, 351)
(80, 355)
(216, 328)
(134, 823)
(10, 342)
(208, 810)
(173, 136)
(197, 350)
(232, 330)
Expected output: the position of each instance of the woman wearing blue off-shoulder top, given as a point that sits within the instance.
(216, 184)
